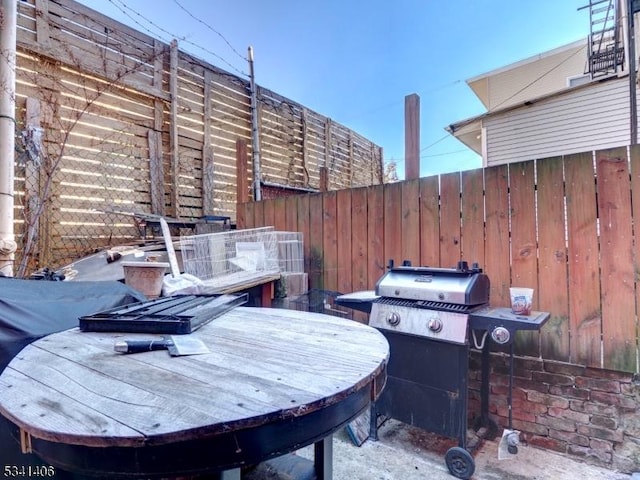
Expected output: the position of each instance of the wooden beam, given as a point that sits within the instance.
(305, 148)
(411, 137)
(156, 173)
(324, 179)
(327, 142)
(208, 169)
(242, 179)
(154, 137)
(173, 126)
(350, 158)
(42, 23)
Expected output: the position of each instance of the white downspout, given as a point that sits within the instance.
(8, 16)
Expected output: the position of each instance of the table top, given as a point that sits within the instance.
(275, 379)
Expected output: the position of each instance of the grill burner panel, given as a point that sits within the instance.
(440, 325)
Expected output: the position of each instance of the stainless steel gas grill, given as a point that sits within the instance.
(431, 317)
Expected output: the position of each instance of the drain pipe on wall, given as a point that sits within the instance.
(8, 15)
(255, 133)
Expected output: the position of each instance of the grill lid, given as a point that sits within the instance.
(461, 285)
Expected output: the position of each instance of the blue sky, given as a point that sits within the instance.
(355, 60)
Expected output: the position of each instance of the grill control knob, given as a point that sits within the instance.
(435, 325)
(393, 319)
(500, 335)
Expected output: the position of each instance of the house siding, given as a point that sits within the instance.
(591, 118)
(531, 78)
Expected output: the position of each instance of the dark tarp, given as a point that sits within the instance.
(31, 309)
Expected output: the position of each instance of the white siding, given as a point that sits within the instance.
(589, 118)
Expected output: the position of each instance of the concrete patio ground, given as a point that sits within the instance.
(403, 452)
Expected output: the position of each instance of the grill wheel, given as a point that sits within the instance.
(460, 463)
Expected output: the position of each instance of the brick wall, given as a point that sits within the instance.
(584, 412)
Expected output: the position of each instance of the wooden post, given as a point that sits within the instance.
(411, 137)
(242, 179)
(324, 179)
(208, 168)
(156, 167)
(42, 24)
(173, 128)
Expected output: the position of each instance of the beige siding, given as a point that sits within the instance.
(590, 118)
(531, 78)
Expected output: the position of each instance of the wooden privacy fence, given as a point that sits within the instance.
(111, 119)
(564, 226)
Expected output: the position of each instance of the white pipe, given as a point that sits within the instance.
(8, 16)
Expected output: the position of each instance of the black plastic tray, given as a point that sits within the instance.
(180, 314)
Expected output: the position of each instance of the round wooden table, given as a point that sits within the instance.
(275, 381)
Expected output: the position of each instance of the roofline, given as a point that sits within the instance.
(534, 58)
(453, 127)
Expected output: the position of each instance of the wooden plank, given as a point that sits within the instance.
(330, 241)
(375, 235)
(393, 223)
(585, 314)
(245, 215)
(344, 242)
(42, 23)
(258, 214)
(156, 174)
(472, 230)
(359, 245)
(174, 172)
(552, 293)
(635, 209)
(316, 247)
(411, 221)
(450, 248)
(616, 260)
(497, 234)
(429, 222)
(208, 167)
(280, 216)
(291, 213)
(524, 253)
(242, 177)
(269, 213)
(303, 215)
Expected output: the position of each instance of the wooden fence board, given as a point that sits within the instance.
(291, 213)
(375, 235)
(269, 213)
(411, 221)
(635, 211)
(316, 235)
(302, 207)
(359, 239)
(280, 219)
(330, 241)
(585, 314)
(524, 253)
(449, 219)
(429, 222)
(344, 242)
(472, 230)
(393, 223)
(616, 260)
(497, 234)
(552, 291)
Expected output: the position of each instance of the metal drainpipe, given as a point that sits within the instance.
(8, 15)
(255, 133)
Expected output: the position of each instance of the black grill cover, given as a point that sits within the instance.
(31, 309)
